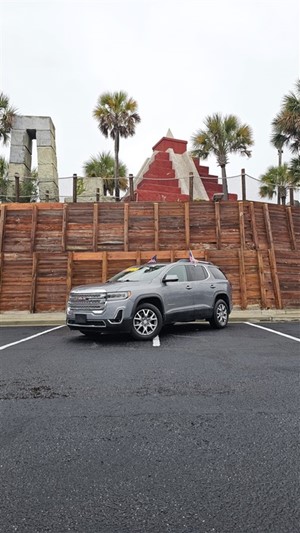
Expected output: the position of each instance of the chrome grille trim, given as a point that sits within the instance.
(87, 302)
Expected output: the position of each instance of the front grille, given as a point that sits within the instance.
(87, 302)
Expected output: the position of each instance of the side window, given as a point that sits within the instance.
(197, 273)
(217, 273)
(180, 271)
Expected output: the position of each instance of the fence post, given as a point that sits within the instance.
(131, 193)
(97, 194)
(47, 196)
(74, 188)
(243, 177)
(191, 186)
(17, 186)
(292, 199)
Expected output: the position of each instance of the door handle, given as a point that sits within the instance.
(212, 286)
(188, 287)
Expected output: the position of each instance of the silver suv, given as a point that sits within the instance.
(141, 300)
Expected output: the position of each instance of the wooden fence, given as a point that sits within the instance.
(46, 249)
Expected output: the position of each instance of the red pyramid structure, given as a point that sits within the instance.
(165, 175)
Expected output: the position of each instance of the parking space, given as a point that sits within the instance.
(10, 336)
(195, 433)
(286, 328)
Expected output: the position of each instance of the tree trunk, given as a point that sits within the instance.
(282, 194)
(224, 182)
(116, 170)
(279, 195)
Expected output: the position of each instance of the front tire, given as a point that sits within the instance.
(220, 316)
(147, 322)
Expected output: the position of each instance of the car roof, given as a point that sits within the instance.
(166, 263)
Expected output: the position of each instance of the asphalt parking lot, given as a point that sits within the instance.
(195, 431)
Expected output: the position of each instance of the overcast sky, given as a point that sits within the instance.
(181, 60)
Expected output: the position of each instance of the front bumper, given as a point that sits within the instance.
(112, 318)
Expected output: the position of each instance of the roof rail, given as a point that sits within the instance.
(197, 261)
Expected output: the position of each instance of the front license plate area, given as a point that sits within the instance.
(80, 319)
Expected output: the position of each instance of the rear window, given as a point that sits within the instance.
(217, 273)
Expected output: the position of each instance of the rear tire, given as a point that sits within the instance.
(146, 323)
(220, 316)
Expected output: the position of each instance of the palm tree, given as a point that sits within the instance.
(276, 181)
(7, 112)
(286, 125)
(3, 167)
(28, 191)
(103, 166)
(221, 137)
(3, 178)
(117, 116)
(294, 167)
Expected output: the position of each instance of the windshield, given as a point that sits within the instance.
(143, 273)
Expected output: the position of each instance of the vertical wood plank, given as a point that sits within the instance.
(261, 276)
(64, 227)
(34, 281)
(95, 226)
(275, 279)
(291, 228)
(138, 257)
(268, 226)
(243, 284)
(126, 225)
(187, 224)
(2, 226)
(242, 225)
(218, 225)
(156, 226)
(1, 270)
(253, 226)
(69, 275)
(33, 227)
(104, 267)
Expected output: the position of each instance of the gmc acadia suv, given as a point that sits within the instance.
(141, 300)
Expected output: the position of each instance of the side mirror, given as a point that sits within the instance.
(170, 277)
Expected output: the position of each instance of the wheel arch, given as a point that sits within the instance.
(223, 296)
(150, 299)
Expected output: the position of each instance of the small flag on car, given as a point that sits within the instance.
(152, 260)
(192, 258)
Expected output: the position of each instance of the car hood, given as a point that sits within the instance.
(98, 288)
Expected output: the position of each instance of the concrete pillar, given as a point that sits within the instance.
(24, 130)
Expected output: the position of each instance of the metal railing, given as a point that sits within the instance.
(17, 195)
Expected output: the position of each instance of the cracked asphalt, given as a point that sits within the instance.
(198, 435)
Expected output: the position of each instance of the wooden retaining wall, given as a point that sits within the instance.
(46, 249)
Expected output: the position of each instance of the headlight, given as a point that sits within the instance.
(118, 295)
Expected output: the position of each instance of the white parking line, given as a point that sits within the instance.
(29, 338)
(273, 331)
(156, 341)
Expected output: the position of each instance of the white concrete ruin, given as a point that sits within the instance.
(24, 130)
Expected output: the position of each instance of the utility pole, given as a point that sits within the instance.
(75, 188)
(17, 186)
(243, 177)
